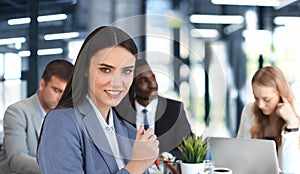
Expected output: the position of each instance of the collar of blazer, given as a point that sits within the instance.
(34, 109)
(90, 125)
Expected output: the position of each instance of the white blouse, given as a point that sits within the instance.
(110, 133)
(288, 152)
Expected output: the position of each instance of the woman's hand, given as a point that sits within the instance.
(144, 152)
(285, 111)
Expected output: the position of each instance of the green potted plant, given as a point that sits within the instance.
(193, 150)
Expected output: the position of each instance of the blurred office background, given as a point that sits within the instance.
(204, 52)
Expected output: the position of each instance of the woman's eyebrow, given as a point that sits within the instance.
(109, 66)
(104, 64)
(128, 67)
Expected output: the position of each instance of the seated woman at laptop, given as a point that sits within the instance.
(273, 116)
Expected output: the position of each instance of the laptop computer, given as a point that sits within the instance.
(244, 156)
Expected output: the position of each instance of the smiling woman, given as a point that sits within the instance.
(84, 134)
(110, 76)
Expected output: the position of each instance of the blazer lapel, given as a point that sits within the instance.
(123, 137)
(37, 121)
(36, 114)
(161, 108)
(94, 131)
(132, 113)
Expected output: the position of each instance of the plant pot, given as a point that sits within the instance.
(191, 168)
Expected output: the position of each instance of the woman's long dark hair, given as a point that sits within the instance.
(103, 37)
(77, 87)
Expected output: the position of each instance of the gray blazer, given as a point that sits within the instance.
(22, 122)
(73, 141)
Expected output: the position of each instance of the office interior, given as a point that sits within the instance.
(203, 52)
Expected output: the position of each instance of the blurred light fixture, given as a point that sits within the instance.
(15, 40)
(287, 20)
(50, 51)
(271, 3)
(204, 33)
(24, 53)
(42, 52)
(55, 17)
(61, 36)
(18, 21)
(46, 18)
(217, 19)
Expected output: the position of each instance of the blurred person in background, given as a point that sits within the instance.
(23, 120)
(273, 116)
(143, 106)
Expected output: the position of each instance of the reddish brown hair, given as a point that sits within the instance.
(270, 76)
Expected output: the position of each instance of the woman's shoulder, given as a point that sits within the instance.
(247, 111)
(60, 114)
(248, 107)
(61, 119)
(61, 111)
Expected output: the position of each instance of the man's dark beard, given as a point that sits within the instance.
(141, 98)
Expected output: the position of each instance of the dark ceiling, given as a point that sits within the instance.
(21, 8)
(10, 9)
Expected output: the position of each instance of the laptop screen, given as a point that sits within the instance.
(244, 156)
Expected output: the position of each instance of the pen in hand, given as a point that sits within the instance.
(156, 162)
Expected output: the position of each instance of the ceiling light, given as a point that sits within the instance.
(18, 21)
(55, 17)
(287, 20)
(217, 19)
(15, 40)
(42, 52)
(45, 18)
(204, 33)
(61, 36)
(272, 3)
(50, 51)
(24, 53)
